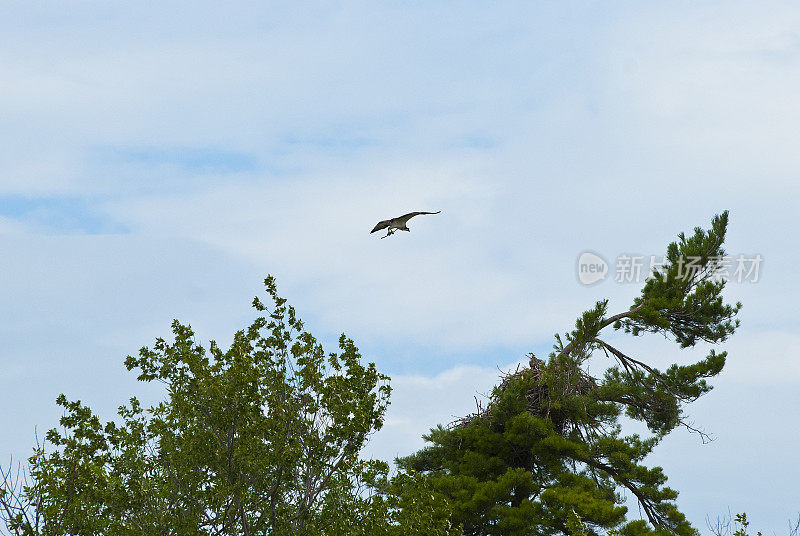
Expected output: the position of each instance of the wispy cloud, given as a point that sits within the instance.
(188, 159)
(58, 215)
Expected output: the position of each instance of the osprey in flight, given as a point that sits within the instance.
(398, 224)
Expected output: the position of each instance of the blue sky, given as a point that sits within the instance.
(158, 162)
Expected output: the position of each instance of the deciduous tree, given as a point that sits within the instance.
(263, 438)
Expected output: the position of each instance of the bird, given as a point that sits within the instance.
(398, 224)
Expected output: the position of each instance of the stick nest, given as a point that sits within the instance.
(540, 395)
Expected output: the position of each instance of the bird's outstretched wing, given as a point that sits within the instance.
(381, 225)
(405, 217)
(399, 221)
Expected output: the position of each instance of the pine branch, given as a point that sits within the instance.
(605, 323)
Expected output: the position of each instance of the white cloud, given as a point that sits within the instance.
(710, 91)
(419, 403)
(434, 284)
(11, 226)
(762, 358)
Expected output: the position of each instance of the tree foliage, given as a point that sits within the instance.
(263, 438)
(549, 445)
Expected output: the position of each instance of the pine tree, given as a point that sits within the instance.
(549, 445)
